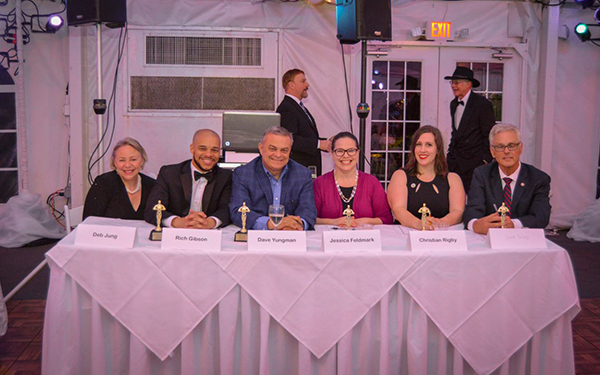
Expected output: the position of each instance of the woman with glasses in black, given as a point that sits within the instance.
(346, 186)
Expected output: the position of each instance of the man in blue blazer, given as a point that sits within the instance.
(273, 178)
(523, 188)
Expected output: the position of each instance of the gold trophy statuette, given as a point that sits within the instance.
(503, 210)
(348, 213)
(156, 234)
(425, 212)
(242, 234)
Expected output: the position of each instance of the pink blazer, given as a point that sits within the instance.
(370, 199)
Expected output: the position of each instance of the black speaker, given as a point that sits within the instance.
(111, 12)
(363, 20)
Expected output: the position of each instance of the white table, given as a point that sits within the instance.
(147, 310)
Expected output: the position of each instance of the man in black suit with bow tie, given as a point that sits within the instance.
(296, 118)
(195, 192)
(472, 118)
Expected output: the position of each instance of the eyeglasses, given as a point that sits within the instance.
(458, 81)
(510, 147)
(340, 152)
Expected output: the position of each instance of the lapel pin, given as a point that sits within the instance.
(413, 185)
(522, 184)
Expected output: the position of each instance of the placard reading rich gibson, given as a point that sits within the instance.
(191, 239)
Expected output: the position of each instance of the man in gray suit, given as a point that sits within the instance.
(523, 188)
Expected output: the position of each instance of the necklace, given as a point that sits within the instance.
(137, 188)
(346, 200)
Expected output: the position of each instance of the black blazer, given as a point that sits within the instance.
(469, 145)
(108, 198)
(174, 189)
(530, 197)
(306, 135)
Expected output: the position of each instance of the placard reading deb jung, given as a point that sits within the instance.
(105, 236)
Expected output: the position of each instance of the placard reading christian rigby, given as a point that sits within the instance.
(276, 240)
(351, 240)
(105, 236)
(443, 240)
(191, 239)
(525, 238)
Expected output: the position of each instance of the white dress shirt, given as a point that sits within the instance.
(514, 176)
(198, 187)
(460, 109)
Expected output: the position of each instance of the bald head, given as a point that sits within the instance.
(205, 133)
(205, 149)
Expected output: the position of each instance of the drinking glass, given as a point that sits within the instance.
(276, 214)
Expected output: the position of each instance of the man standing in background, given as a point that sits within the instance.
(296, 118)
(472, 119)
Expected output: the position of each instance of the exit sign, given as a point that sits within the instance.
(439, 31)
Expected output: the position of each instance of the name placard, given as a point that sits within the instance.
(191, 239)
(276, 240)
(351, 240)
(444, 240)
(517, 238)
(105, 236)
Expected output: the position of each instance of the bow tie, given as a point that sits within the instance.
(460, 102)
(208, 175)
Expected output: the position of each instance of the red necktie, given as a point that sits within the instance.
(507, 194)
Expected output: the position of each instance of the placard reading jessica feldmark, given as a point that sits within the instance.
(276, 240)
(443, 240)
(105, 236)
(517, 238)
(191, 239)
(351, 240)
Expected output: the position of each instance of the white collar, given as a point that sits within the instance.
(514, 176)
(293, 97)
(465, 98)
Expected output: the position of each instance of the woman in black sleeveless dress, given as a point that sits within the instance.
(425, 179)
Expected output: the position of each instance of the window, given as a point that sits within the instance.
(395, 116)
(9, 171)
(490, 75)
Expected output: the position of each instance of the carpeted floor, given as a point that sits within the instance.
(15, 264)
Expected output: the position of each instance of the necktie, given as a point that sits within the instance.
(306, 111)
(460, 102)
(208, 175)
(507, 193)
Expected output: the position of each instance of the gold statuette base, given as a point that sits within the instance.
(156, 235)
(241, 236)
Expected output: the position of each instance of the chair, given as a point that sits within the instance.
(73, 217)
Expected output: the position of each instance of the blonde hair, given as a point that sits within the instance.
(128, 142)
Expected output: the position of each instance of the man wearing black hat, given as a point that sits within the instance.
(472, 119)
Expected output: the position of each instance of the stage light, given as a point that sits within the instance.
(54, 23)
(585, 3)
(583, 32)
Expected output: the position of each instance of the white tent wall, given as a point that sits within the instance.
(306, 40)
(46, 76)
(576, 126)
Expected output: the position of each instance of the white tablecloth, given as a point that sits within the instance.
(235, 312)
